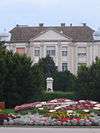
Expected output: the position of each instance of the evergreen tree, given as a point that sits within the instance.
(47, 66)
(3, 69)
(19, 81)
(64, 81)
(88, 81)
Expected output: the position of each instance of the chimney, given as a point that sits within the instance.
(17, 25)
(40, 24)
(70, 24)
(21, 25)
(62, 24)
(84, 24)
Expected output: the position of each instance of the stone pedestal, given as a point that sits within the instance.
(2, 105)
(49, 81)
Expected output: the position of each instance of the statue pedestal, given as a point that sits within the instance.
(49, 81)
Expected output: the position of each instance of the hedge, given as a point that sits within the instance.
(45, 96)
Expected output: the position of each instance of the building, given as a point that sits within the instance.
(5, 36)
(69, 46)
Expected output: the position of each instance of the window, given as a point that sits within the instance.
(50, 50)
(64, 66)
(64, 51)
(20, 50)
(37, 51)
(82, 51)
(81, 54)
(81, 64)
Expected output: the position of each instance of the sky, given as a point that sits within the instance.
(49, 12)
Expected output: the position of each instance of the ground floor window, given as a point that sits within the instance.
(20, 50)
(36, 51)
(64, 66)
(81, 64)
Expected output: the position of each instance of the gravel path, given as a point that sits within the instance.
(49, 130)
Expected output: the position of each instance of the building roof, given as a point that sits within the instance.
(77, 33)
(96, 35)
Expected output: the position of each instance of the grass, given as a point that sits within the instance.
(8, 111)
(46, 96)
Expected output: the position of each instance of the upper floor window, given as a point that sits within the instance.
(50, 50)
(64, 51)
(64, 66)
(20, 50)
(81, 54)
(37, 51)
(82, 51)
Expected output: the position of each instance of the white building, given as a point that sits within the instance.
(69, 46)
(4, 36)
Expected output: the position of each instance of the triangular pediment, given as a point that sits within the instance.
(51, 35)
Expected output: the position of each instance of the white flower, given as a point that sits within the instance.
(38, 105)
(40, 108)
(52, 110)
(43, 103)
(86, 110)
(69, 111)
(97, 105)
(53, 101)
(96, 108)
(93, 102)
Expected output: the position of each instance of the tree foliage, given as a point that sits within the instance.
(47, 66)
(19, 80)
(88, 81)
(64, 81)
(2, 46)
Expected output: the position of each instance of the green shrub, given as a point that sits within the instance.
(45, 96)
(26, 111)
(34, 111)
(8, 111)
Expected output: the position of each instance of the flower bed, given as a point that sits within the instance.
(57, 112)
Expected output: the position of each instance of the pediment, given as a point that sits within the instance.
(51, 35)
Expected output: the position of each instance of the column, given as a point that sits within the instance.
(59, 57)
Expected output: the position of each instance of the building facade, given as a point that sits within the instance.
(69, 46)
(5, 36)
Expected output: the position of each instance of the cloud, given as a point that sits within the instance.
(35, 3)
(50, 11)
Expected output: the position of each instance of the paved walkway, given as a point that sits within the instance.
(49, 130)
